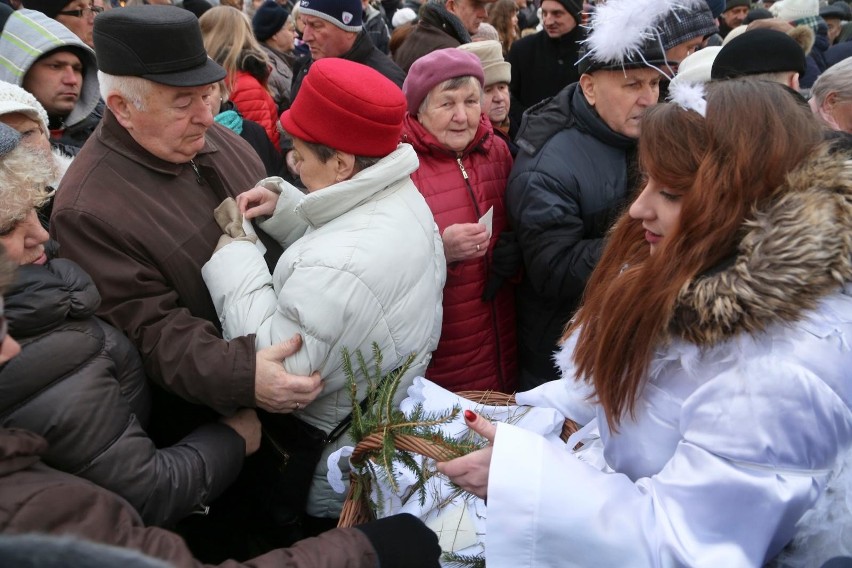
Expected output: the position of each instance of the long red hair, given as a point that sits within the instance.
(727, 164)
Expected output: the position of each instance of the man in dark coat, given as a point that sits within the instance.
(135, 210)
(546, 62)
(442, 24)
(333, 28)
(571, 178)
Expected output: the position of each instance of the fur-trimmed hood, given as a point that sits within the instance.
(797, 250)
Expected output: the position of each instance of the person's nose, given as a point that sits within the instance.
(307, 34)
(69, 76)
(649, 96)
(35, 235)
(459, 114)
(202, 113)
(641, 208)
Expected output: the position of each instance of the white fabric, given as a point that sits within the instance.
(729, 448)
(368, 267)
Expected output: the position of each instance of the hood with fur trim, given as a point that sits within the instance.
(797, 250)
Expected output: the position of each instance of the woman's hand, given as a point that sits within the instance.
(464, 241)
(470, 472)
(256, 202)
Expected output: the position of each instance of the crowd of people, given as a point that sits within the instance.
(637, 212)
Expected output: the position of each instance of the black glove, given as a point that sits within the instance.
(506, 260)
(403, 541)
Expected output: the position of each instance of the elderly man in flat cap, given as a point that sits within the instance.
(134, 210)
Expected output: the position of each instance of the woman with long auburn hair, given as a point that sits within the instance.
(503, 15)
(710, 362)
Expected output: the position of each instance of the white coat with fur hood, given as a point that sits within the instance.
(742, 433)
(363, 263)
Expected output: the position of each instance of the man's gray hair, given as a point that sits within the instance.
(134, 89)
(835, 79)
(450, 85)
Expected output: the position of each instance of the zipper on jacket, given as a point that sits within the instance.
(461, 167)
(202, 510)
(198, 177)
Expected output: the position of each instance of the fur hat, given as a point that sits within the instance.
(759, 51)
(347, 106)
(403, 16)
(490, 54)
(49, 8)
(436, 67)
(345, 14)
(791, 10)
(9, 139)
(268, 20)
(15, 99)
(696, 67)
(154, 42)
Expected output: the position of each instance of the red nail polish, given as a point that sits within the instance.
(469, 415)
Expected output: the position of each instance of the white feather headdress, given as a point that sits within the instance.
(620, 28)
(689, 96)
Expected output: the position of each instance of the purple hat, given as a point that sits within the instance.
(435, 68)
(345, 14)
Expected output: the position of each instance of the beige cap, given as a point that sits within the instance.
(490, 54)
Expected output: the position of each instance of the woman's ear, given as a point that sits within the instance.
(344, 165)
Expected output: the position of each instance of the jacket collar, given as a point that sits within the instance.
(425, 143)
(117, 138)
(796, 251)
(436, 15)
(361, 48)
(567, 109)
(324, 205)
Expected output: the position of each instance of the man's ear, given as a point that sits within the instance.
(793, 81)
(587, 83)
(450, 6)
(344, 165)
(829, 101)
(120, 107)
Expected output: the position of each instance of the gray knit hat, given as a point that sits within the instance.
(9, 139)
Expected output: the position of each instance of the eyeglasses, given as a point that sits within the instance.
(82, 13)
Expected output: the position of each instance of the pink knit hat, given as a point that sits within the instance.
(347, 106)
(435, 68)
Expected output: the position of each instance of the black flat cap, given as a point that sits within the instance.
(156, 42)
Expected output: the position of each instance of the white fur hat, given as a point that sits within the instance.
(15, 99)
(791, 10)
(403, 16)
(696, 67)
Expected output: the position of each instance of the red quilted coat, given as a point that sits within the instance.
(255, 103)
(477, 349)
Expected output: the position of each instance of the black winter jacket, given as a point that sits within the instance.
(569, 182)
(79, 383)
(436, 29)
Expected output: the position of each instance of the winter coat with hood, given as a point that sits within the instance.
(29, 35)
(79, 383)
(478, 349)
(742, 432)
(569, 182)
(436, 29)
(35, 498)
(365, 264)
(280, 76)
(126, 216)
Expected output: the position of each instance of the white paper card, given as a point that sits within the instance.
(488, 220)
(454, 527)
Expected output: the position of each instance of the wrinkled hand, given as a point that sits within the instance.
(470, 472)
(276, 390)
(247, 425)
(464, 241)
(228, 218)
(256, 202)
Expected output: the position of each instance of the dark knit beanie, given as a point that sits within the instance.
(268, 20)
(345, 14)
(573, 7)
(197, 7)
(47, 7)
(736, 3)
(716, 7)
(758, 51)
